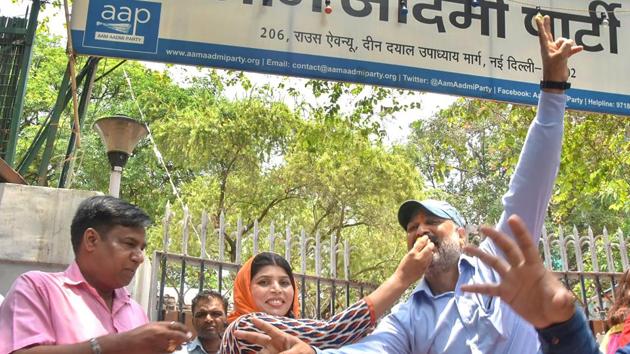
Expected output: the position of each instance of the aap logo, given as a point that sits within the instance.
(127, 25)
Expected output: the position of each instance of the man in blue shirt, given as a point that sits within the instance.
(209, 310)
(439, 317)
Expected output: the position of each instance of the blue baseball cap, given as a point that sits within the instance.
(438, 208)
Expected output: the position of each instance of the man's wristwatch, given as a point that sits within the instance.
(558, 85)
(96, 348)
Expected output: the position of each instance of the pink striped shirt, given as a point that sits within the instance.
(62, 308)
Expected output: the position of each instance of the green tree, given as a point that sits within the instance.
(470, 149)
(467, 153)
(593, 187)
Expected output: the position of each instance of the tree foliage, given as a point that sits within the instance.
(470, 149)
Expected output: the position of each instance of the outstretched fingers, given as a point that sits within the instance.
(547, 28)
(523, 237)
(495, 262)
(544, 35)
(510, 248)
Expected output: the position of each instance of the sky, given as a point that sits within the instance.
(397, 129)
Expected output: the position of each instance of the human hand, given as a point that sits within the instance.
(274, 341)
(555, 54)
(155, 337)
(531, 291)
(415, 263)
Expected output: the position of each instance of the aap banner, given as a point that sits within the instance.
(478, 48)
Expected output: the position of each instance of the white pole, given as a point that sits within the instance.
(114, 181)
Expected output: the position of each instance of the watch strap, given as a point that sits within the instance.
(558, 85)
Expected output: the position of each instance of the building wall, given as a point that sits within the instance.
(35, 229)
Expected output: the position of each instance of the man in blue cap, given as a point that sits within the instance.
(428, 217)
(439, 317)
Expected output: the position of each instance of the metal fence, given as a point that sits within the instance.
(177, 277)
(589, 265)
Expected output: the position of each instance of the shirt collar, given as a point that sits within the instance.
(74, 277)
(464, 264)
(194, 344)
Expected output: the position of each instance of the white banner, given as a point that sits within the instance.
(479, 48)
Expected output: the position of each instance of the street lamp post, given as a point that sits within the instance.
(120, 135)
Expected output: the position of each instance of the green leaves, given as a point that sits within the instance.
(593, 184)
(470, 149)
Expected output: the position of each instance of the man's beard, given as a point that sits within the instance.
(445, 257)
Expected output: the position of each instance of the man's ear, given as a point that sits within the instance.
(90, 239)
(461, 231)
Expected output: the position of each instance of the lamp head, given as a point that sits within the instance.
(120, 135)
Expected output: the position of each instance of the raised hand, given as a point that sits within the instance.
(411, 268)
(415, 263)
(555, 53)
(530, 290)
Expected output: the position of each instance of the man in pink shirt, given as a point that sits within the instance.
(86, 309)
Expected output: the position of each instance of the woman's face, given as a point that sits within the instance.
(272, 290)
